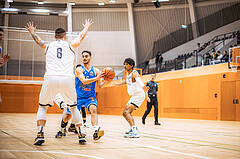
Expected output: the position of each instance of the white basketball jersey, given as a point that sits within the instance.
(133, 87)
(59, 58)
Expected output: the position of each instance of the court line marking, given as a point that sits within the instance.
(64, 153)
(158, 148)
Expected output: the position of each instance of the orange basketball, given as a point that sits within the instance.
(109, 74)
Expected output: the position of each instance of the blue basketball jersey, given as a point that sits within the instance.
(88, 90)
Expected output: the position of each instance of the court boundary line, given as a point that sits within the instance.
(55, 152)
(158, 148)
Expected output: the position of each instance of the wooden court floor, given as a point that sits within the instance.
(174, 139)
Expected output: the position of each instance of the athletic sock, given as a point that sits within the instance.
(40, 128)
(134, 128)
(63, 125)
(95, 128)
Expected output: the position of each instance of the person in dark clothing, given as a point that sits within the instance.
(158, 61)
(225, 56)
(152, 100)
(207, 59)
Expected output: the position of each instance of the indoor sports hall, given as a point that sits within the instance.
(187, 63)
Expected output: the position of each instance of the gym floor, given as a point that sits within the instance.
(175, 138)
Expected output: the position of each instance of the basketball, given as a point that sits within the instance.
(109, 74)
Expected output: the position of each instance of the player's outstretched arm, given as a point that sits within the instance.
(81, 77)
(76, 42)
(4, 60)
(32, 31)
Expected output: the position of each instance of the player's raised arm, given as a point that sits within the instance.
(76, 42)
(81, 77)
(32, 31)
(100, 83)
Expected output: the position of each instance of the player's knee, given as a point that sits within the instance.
(41, 114)
(93, 109)
(125, 112)
(68, 117)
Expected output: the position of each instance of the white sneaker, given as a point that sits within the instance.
(127, 132)
(132, 134)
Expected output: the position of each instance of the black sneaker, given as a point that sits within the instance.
(59, 134)
(64, 133)
(98, 134)
(82, 138)
(72, 128)
(39, 139)
(143, 121)
(157, 123)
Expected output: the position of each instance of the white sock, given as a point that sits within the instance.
(95, 127)
(134, 128)
(40, 128)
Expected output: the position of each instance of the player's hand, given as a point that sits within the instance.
(101, 75)
(1, 60)
(148, 99)
(145, 88)
(88, 23)
(6, 58)
(31, 28)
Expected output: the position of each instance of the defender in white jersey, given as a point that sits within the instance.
(59, 76)
(136, 89)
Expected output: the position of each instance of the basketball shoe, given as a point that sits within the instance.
(133, 134)
(98, 134)
(72, 128)
(39, 139)
(82, 138)
(59, 134)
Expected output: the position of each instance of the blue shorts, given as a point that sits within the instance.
(85, 102)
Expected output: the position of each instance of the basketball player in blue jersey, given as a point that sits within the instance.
(86, 78)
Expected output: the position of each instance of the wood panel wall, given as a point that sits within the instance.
(190, 94)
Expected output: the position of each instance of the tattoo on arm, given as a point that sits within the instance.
(38, 40)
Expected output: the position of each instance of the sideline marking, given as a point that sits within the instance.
(64, 153)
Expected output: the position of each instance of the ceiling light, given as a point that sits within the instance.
(101, 4)
(40, 2)
(40, 10)
(112, 1)
(161, 1)
(10, 9)
(72, 3)
(184, 26)
(9, 1)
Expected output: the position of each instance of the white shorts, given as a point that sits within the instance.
(137, 99)
(52, 85)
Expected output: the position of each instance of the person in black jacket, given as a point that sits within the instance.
(158, 61)
(152, 100)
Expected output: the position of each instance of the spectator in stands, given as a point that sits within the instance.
(214, 55)
(219, 57)
(225, 56)
(207, 59)
(198, 47)
(158, 61)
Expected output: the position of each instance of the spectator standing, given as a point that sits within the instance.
(158, 61)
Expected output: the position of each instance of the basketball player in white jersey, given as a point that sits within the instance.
(59, 76)
(136, 89)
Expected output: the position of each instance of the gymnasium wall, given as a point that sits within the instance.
(198, 93)
(165, 23)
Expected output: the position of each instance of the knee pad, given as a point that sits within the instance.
(77, 118)
(42, 113)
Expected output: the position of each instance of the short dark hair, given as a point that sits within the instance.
(1, 29)
(60, 33)
(218, 52)
(129, 61)
(85, 51)
(78, 65)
